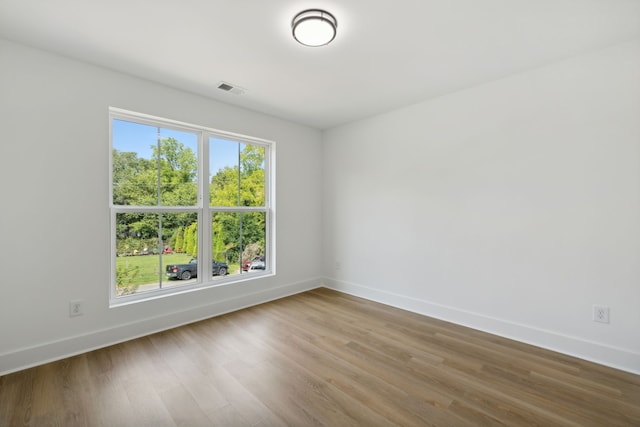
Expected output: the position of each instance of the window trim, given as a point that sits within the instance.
(202, 208)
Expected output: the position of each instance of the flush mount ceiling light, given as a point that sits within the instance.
(314, 27)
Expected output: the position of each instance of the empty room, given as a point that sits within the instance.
(295, 213)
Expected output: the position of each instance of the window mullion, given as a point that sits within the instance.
(239, 209)
(159, 163)
(159, 195)
(204, 214)
(239, 174)
(160, 247)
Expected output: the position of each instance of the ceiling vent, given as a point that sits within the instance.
(228, 87)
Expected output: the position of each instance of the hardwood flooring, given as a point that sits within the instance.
(320, 358)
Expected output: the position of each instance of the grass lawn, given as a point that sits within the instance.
(148, 267)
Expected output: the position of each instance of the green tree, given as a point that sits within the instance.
(178, 173)
(136, 183)
(125, 279)
(173, 168)
(191, 239)
(218, 245)
(131, 183)
(251, 159)
(179, 239)
(239, 185)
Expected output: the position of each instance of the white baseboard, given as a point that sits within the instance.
(592, 351)
(48, 352)
(60, 349)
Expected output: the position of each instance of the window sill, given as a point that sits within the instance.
(177, 289)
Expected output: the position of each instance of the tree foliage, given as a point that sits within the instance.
(170, 179)
(171, 173)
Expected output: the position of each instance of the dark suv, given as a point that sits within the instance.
(187, 271)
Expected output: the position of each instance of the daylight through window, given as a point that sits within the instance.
(182, 193)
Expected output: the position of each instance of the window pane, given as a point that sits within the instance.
(146, 243)
(251, 175)
(225, 240)
(178, 168)
(253, 242)
(153, 166)
(238, 241)
(236, 173)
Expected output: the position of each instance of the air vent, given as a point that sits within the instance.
(228, 87)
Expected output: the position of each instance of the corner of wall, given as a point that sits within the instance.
(55, 350)
(613, 357)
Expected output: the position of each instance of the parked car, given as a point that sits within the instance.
(188, 271)
(258, 263)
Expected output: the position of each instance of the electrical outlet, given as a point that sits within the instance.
(338, 266)
(600, 314)
(75, 308)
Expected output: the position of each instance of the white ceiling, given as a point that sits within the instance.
(387, 54)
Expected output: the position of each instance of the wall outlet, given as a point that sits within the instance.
(338, 266)
(75, 308)
(600, 314)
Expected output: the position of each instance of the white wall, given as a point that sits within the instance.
(54, 219)
(512, 207)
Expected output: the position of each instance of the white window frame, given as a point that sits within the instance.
(204, 211)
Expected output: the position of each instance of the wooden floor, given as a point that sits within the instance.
(320, 358)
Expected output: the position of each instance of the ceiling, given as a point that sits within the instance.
(387, 54)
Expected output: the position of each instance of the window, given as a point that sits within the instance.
(182, 193)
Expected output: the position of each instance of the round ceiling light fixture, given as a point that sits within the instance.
(314, 27)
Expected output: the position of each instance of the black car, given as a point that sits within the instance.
(188, 271)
